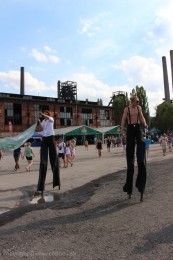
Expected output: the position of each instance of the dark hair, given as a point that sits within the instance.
(47, 112)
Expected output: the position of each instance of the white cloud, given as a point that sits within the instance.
(161, 33)
(12, 79)
(88, 86)
(47, 48)
(154, 98)
(138, 71)
(33, 84)
(88, 27)
(147, 73)
(54, 58)
(41, 57)
(36, 68)
(91, 88)
(94, 25)
(142, 71)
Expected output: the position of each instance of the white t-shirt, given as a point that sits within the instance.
(48, 127)
(68, 151)
(61, 147)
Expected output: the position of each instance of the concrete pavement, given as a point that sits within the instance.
(16, 188)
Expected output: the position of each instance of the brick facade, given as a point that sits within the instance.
(22, 111)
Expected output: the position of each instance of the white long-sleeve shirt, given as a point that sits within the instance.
(48, 127)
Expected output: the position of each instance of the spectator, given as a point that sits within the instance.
(99, 146)
(86, 145)
(108, 144)
(170, 142)
(68, 154)
(147, 145)
(16, 154)
(163, 142)
(28, 153)
(61, 153)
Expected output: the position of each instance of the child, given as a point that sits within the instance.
(99, 146)
(147, 145)
(68, 154)
(86, 145)
(28, 153)
(164, 141)
(16, 155)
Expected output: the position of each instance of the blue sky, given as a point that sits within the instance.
(103, 45)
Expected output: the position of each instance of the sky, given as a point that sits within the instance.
(103, 45)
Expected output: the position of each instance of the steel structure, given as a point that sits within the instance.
(115, 95)
(67, 90)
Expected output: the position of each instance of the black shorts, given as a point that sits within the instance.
(61, 155)
(29, 158)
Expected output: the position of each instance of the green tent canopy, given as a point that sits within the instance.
(81, 133)
(86, 130)
(77, 130)
(111, 130)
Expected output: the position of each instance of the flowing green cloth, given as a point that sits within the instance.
(12, 143)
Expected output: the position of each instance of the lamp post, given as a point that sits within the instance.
(96, 119)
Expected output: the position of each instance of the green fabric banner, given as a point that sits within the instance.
(12, 143)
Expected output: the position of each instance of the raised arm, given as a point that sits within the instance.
(45, 116)
(32, 152)
(124, 117)
(142, 119)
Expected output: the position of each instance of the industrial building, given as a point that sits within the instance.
(21, 111)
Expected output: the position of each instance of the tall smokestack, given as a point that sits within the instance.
(22, 81)
(165, 78)
(171, 56)
(58, 88)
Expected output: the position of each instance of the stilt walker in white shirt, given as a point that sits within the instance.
(48, 146)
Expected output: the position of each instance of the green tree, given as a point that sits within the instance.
(140, 92)
(164, 117)
(119, 103)
(153, 122)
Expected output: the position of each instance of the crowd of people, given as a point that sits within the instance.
(27, 153)
(66, 151)
(63, 154)
(166, 142)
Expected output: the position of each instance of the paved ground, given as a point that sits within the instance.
(90, 217)
(16, 187)
(87, 166)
